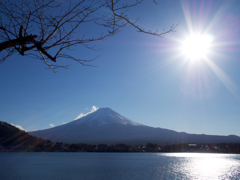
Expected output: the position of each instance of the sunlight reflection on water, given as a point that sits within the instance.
(118, 166)
(207, 166)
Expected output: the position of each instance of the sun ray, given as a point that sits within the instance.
(218, 16)
(187, 15)
(225, 79)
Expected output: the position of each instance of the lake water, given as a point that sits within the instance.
(116, 166)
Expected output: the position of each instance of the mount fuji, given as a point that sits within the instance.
(107, 126)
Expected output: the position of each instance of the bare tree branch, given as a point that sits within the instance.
(35, 27)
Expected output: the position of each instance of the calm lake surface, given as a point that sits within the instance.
(115, 166)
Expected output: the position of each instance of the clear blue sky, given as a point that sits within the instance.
(144, 78)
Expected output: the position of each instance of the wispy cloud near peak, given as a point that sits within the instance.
(94, 108)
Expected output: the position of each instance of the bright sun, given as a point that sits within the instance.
(196, 47)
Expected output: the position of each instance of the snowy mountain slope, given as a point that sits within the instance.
(104, 116)
(107, 126)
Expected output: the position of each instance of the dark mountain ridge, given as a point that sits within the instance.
(12, 137)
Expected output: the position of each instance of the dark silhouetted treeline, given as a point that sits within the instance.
(13, 139)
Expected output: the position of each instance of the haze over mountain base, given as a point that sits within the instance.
(109, 127)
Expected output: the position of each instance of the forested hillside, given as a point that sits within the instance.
(15, 139)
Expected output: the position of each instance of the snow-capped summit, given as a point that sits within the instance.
(104, 116)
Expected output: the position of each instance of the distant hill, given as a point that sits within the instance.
(12, 137)
(109, 127)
